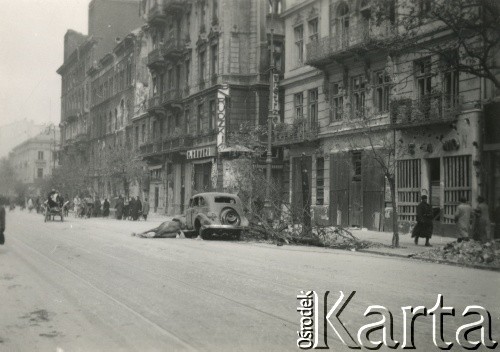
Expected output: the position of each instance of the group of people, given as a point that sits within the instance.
(131, 208)
(470, 222)
(86, 207)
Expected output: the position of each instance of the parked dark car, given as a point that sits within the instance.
(214, 213)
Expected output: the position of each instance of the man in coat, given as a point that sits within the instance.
(119, 208)
(145, 209)
(423, 228)
(463, 218)
(105, 208)
(138, 208)
(2, 222)
(482, 226)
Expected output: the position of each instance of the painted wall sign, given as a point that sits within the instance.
(199, 153)
(222, 98)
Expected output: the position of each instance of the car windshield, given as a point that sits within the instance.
(228, 200)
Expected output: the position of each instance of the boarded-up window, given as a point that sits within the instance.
(408, 188)
(457, 183)
(339, 188)
(320, 181)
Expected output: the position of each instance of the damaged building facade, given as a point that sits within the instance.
(352, 100)
(208, 63)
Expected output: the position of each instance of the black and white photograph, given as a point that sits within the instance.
(249, 175)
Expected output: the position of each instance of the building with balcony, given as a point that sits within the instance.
(115, 80)
(209, 65)
(356, 99)
(36, 158)
(110, 22)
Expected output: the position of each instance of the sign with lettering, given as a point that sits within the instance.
(199, 153)
(222, 100)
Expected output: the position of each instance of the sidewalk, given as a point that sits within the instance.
(406, 245)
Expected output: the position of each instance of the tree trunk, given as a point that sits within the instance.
(395, 228)
(306, 200)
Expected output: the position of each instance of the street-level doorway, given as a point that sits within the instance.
(156, 198)
(434, 181)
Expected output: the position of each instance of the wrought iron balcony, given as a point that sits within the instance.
(156, 57)
(174, 144)
(156, 14)
(71, 114)
(155, 102)
(429, 109)
(175, 6)
(300, 131)
(174, 48)
(361, 37)
(171, 96)
(150, 149)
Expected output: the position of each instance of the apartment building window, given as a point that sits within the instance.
(423, 77)
(313, 30)
(214, 58)
(40, 155)
(215, 12)
(212, 123)
(299, 43)
(358, 96)
(199, 119)
(275, 7)
(313, 107)
(143, 132)
(136, 136)
(298, 102)
(202, 65)
(424, 6)
(187, 71)
(382, 89)
(449, 63)
(187, 121)
(202, 16)
(356, 164)
(336, 102)
(39, 173)
(170, 79)
(343, 18)
(320, 181)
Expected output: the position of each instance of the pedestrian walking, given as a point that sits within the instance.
(97, 207)
(423, 228)
(105, 208)
(482, 224)
(132, 208)
(119, 208)
(137, 208)
(463, 219)
(77, 202)
(2, 222)
(145, 209)
(126, 208)
(30, 205)
(496, 219)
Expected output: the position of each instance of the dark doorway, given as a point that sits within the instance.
(157, 198)
(434, 174)
(302, 166)
(355, 191)
(202, 177)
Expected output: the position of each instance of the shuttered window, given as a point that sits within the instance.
(457, 183)
(408, 188)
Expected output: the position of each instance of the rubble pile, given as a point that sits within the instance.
(467, 252)
(327, 236)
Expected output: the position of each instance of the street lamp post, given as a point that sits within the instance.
(270, 117)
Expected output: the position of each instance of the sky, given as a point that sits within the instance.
(32, 44)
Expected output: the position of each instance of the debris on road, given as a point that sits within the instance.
(466, 252)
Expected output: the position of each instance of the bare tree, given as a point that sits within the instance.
(121, 164)
(465, 34)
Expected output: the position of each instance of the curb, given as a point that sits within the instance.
(435, 261)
